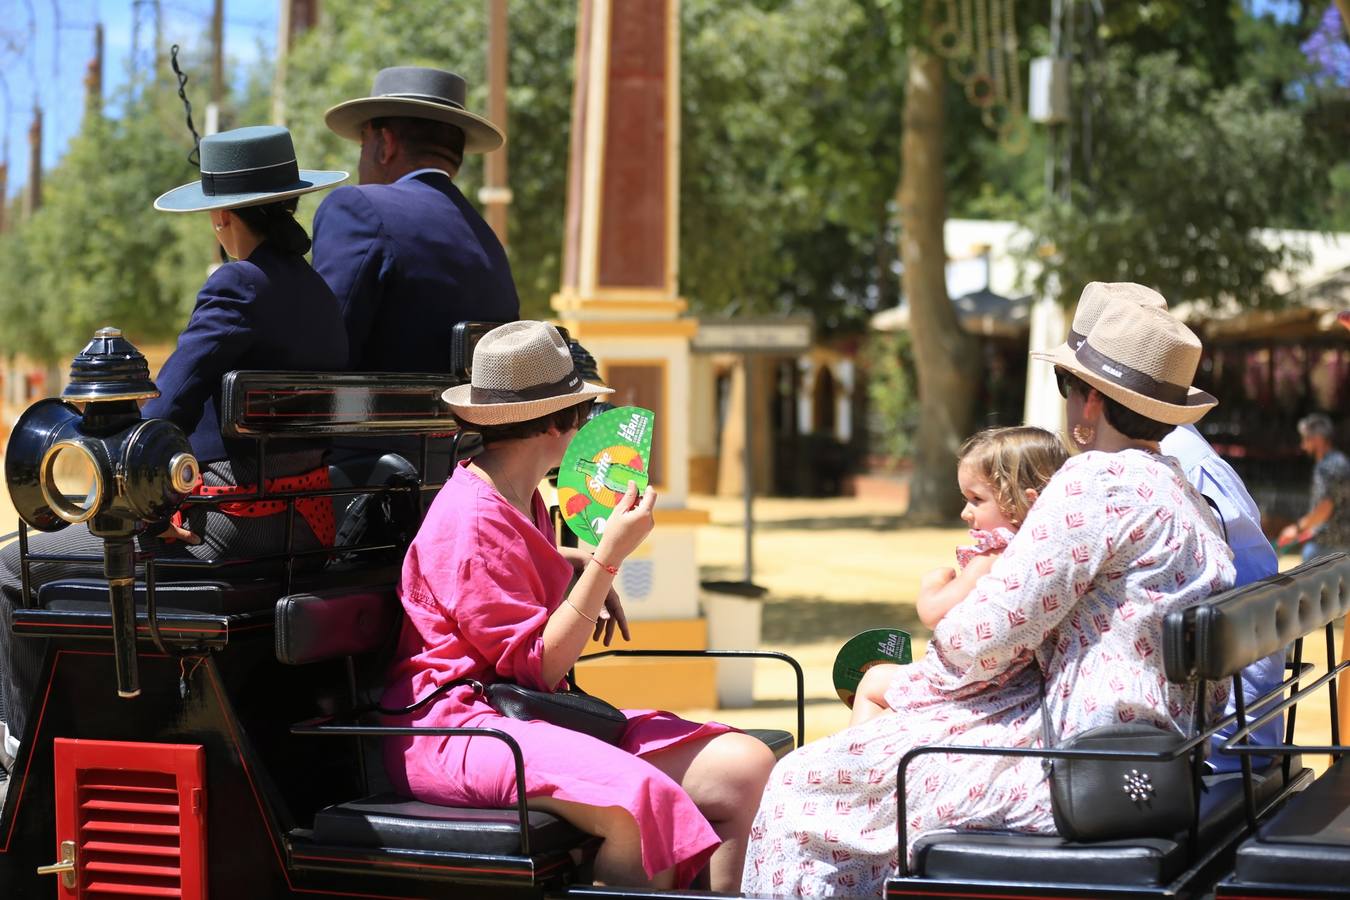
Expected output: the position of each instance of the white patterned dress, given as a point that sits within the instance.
(1115, 542)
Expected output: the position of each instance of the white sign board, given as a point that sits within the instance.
(751, 336)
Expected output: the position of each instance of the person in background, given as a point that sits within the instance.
(1325, 527)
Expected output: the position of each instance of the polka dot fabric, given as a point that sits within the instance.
(316, 511)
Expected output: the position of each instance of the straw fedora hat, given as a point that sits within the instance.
(246, 167)
(1143, 358)
(520, 371)
(1100, 294)
(416, 92)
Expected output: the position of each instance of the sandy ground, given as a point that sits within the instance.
(832, 567)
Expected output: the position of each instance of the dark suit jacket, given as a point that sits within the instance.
(270, 311)
(407, 261)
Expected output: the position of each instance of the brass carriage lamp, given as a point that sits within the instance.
(130, 471)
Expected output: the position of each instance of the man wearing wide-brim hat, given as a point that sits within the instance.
(405, 252)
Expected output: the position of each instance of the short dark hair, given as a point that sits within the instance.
(563, 419)
(426, 137)
(1133, 425)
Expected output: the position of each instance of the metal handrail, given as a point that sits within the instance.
(316, 728)
(728, 654)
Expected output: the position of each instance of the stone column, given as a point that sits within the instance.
(620, 297)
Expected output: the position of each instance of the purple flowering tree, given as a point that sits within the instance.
(1327, 50)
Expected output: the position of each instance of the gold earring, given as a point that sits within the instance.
(1083, 435)
(219, 227)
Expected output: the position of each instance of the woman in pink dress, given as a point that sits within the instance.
(485, 593)
(1116, 541)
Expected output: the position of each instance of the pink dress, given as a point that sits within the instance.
(1115, 542)
(479, 583)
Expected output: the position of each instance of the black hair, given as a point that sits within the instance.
(1133, 425)
(563, 419)
(426, 137)
(275, 223)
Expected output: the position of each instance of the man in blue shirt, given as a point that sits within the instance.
(1325, 527)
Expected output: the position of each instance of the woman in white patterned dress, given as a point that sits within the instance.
(1117, 540)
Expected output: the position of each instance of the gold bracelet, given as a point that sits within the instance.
(576, 609)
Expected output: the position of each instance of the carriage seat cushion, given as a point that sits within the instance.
(328, 624)
(1138, 862)
(391, 822)
(780, 742)
(213, 597)
(1308, 841)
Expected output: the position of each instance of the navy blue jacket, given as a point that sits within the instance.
(270, 311)
(407, 261)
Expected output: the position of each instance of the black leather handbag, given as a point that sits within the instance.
(1103, 800)
(574, 709)
(1113, 799)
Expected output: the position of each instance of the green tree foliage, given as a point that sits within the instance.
(1181, 177)
(97, 253)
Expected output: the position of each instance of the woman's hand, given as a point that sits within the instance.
(628, 526)
(609, 617)
(1288, 535)
(176, 532)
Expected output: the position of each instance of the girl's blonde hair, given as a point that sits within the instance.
(1014, 460)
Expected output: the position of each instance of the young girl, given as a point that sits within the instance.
(1001, 471)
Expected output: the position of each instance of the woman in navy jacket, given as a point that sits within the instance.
(265, 310)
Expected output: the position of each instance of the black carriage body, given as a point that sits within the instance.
(262, 675)
(258, 677)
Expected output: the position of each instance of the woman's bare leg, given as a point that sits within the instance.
(619, 860)
(725, 776)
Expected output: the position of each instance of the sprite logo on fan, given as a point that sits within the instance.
(608, 453)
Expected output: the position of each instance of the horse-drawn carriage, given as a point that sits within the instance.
(243, 761)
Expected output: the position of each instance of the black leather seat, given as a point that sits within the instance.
(1140, 862)
(780, 742)
(391, 822)
(1307, 843)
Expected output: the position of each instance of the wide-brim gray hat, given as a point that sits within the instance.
(416, 92)
(520, 371)
(246, 167)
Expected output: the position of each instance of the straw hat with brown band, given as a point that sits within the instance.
(1142, 358)
(520, 371)
(1100, 294)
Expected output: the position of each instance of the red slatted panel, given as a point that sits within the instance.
(136, 813)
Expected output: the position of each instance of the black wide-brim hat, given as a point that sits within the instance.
(247, 167)
(416, 92)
